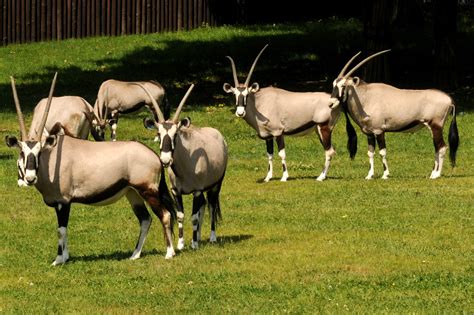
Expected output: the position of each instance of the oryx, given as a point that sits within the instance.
(378, 108)
(196, 159)
(72, 112)
(120, 97)
(67, 170)
(275, 113)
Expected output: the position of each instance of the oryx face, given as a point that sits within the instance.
(241, 93)
(27, 162)
(338, 94)
(167, 134)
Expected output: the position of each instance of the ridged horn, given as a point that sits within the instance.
(48, 106)
(181, 104)
(364, 61)
(21, 120)
(161, 118)
(253, 66)
(341, 74)
(234, 71)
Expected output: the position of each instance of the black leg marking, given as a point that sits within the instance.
(269, 143)
(62, 214)
(179, 205)
(324, 133)
(198, 203)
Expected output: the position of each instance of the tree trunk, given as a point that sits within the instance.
(444, 34)
(379, 17)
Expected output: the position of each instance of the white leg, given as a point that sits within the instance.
(282, 155)
(439, 160)
(213, 237)
(114, 132)
(62, 244)
(180, 216)
(270, 168)
(370, 175)
(144, 227)
(329, 154)
(383, 154)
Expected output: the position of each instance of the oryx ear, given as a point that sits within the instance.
(149, 123)
(254, 87)
(356, 81)
(227, 88)
(50, 141)
(185, 122)
(11, 141)
(57, 129)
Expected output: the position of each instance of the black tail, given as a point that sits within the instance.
(213, 199)
(453, 139)
(351, 137)
(165, 197)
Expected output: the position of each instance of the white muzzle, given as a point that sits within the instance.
(240, 112)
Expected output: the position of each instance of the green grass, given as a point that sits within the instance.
(344, 245)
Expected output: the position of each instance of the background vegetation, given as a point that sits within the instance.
(401, 245)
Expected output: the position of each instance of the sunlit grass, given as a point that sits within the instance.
(400, 246)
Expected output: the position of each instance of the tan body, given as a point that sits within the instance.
(120, 97)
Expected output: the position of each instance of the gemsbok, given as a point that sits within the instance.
(73, 113)
(378, 108)
(275, 113)
(67, 170)
(196, 160)
(120, 97)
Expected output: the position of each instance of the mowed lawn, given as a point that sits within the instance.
(343, 245)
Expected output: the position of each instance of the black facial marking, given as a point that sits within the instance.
(31, 162)
(166, 145)
(31, 144)
(335, 92)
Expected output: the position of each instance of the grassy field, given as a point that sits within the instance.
(344, 245)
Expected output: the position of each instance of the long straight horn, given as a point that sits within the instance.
(106, 104)
(364, 61)
(253, 66)
(181, 104)
(21, 121)
(161, 118)
(341, 74)
(48, 106)
(234, 71)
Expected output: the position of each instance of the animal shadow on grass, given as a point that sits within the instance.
(117, 255)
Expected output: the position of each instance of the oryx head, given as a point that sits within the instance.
(30, 148)
(166, 129)
(343, 80)
(99, 122)
(242, 91)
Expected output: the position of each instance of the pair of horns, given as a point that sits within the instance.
(161, 118)
(345, 76)
(21, 120)
(234, 71)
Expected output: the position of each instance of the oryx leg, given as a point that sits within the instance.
(180, 217)
(324, 133)
(370, 153)
(151, 197)
(62, 213)
(214, 209)
(282, 154)
(199, 202)
(269, 143)
(383, 153)
(113, 126)
(440, 149)
(144, 219)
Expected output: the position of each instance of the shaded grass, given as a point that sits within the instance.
(344, 245)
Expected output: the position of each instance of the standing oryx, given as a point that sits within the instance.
(72, 112)
(275, 113)
(67, 170)
(378, 108)
(119, 97)
(196, 159)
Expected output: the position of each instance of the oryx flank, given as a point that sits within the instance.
(275, 113)
(378, 108)
(72, 112)
(196, 159)
(67, 170)
(120, 97)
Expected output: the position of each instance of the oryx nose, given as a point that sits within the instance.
(240, 112)
(333, 102)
